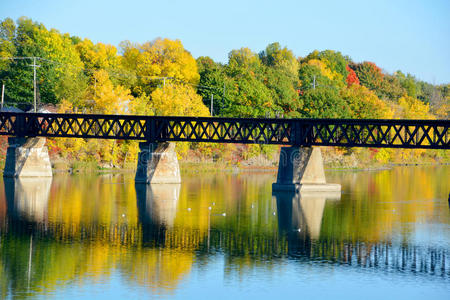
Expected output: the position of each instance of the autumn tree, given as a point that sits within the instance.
(104, 57)
(105, 98)
(153, 61)
(369, 75)
(364, 103)
(7, 45)
(392, 88)
(333, 60)
(314, 73)
(352, 78)
(244, 60)
(412, 108)
(282, 58)
(178, 100)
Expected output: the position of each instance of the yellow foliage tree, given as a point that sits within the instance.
(443, 110)
(323, 68)
(178, 100)
(165, 58)
(107, 98)
(58, 47)
(98, 56)
(243, 57)
(104, 98)
(412, 108)
(142, 106)
(364, 103)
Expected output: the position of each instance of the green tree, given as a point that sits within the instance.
(314, 74)
(244, 59)
(281, 77)
(284, 87)
(334, 60)
(247, 95)
(370, 76)
(59, 63)
(7, 47)
(283, 58)
(392, 88)
(408, 82)
(213, 81)
(324, 102)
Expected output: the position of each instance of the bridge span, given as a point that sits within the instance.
(300, 163)
(393, 133)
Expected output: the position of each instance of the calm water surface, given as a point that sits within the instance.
(227, 237)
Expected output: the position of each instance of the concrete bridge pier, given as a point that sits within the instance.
(27, 157)
(300, 169)
(157, 163)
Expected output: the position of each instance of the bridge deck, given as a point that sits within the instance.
(427, 134)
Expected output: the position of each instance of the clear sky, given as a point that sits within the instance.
(408, 35)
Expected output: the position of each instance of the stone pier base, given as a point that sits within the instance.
(27, 157)
(300, 169)
(157, 163)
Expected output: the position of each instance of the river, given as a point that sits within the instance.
(225, 236)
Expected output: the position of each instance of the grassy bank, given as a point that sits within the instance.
(362, 159)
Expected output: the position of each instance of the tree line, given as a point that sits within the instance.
(160, 77)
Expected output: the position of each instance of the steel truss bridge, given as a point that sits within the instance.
(426, 134)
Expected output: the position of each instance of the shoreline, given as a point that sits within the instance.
(207, 167)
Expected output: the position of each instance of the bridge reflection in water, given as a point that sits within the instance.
(300, 218)
(157, 208)
(156, 239)
(27, 198)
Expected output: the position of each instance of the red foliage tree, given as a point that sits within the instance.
(352, 78)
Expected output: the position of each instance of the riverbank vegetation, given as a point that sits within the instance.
(162, 78)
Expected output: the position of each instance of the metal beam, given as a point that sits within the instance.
(425, 134)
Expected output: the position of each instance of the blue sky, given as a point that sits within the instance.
(412, 36)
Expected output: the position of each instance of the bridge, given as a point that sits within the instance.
(427, 134)
(300, 162)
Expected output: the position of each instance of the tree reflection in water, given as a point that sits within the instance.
(85, 229)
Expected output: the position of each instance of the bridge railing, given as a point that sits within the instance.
(431, 134)
(225, 130)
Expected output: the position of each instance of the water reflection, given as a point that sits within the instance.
(155, 236)
(27, 198)
(300, 218)
(157, 203)
(157, 208)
